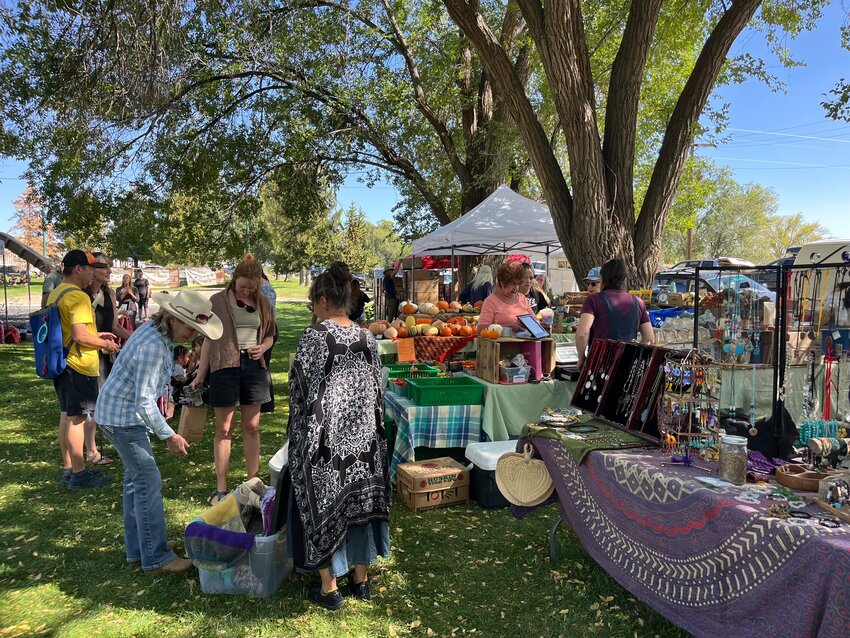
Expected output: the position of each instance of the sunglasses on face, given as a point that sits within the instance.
(100, 266)
(247, 308)
(197, 317)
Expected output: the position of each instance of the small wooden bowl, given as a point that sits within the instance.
(798, 477)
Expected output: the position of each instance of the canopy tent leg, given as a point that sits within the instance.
(5, 295)
(452, 280)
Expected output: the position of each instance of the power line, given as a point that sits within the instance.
(802, 137)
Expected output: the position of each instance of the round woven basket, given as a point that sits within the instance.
(523, 480)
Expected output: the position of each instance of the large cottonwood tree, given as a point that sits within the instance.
(592, 197)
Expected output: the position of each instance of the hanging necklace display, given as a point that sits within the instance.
(754, 336)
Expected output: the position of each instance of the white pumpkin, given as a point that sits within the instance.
(390, 333)
(496, 327)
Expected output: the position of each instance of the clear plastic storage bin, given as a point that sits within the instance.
(259, 573)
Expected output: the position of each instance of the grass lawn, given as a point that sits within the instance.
(457, 572)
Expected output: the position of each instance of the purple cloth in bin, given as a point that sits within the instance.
(216, 547)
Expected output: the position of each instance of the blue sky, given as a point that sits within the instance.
(780, 140)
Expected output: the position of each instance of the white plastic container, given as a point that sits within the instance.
(484, 457)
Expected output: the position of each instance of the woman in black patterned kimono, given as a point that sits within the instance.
(340, 500)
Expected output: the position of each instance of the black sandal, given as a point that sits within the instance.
(220, 496)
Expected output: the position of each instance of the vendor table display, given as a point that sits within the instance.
(438, 426)
(389, 346)
(507, 408)
(710, 558)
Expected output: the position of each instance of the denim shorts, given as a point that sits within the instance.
(246, 385)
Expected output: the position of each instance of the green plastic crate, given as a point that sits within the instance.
(445, 391)
(402, 371)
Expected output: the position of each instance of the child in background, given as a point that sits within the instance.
(180, 377)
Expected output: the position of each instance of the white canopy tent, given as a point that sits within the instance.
(504, 223)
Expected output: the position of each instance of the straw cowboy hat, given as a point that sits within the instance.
(523, 480)
(193, 309)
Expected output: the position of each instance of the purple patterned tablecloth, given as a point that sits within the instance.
(708, 558)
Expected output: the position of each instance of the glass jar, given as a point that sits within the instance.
(733, 459)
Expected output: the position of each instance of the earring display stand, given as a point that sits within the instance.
(691, 403)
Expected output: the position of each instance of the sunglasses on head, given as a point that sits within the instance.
(197, 317)
(242, 304)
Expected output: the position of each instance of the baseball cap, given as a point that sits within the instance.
(594, 274)
(78, 258)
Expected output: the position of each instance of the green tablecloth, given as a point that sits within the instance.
(507, 408)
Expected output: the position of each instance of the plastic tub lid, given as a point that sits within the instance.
(731, 439)
(485, 455)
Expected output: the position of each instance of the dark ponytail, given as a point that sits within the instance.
(334, 285)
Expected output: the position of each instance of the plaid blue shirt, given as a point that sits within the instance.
(140, 375)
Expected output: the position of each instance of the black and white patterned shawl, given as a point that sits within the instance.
(337, 446)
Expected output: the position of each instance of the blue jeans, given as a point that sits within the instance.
(144, 517)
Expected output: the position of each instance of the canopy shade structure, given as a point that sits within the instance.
(23, 251)
(504, 223)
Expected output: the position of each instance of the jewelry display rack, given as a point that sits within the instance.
(690, 404)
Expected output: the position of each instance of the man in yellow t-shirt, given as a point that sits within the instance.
(76, 387)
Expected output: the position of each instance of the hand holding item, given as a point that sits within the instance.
(255, 352)
(177, 445)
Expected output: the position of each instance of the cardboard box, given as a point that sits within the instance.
(539, 354)
(680, 299)
(433, 484)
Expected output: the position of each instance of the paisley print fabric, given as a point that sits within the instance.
(338, 450)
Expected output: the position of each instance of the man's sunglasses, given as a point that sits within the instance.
(100, 265)
(242, 304)
(591, 283)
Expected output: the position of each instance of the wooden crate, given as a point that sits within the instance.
(491, 351)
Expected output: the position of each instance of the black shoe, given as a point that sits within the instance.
(331, 601)
(359, 590)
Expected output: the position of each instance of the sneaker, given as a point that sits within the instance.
(66, 476)
(88, 478)
(359, 590)
(331, 601)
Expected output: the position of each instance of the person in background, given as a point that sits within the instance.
(593, 280)
(128, 297)
(179, 377)
(506, 302)
(339, 504)
(613, 313)
(76, 388)
(52, 278)
(359, 299)
(106, 319)
(539, 289)
(390, 294)
(143, 287)
(525, 287)
(238, 375)
(479, 288)
(127, 413)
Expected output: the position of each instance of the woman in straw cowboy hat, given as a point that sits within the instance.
(127, 412)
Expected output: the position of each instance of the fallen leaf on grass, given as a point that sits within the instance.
(415, 623)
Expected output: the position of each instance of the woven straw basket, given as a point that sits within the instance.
(523, 480)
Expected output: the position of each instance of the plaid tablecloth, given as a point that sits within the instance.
(437, 426)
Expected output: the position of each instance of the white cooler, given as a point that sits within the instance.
(484, 457)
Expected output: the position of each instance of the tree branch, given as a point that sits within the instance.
(680, 131)
(618, 146)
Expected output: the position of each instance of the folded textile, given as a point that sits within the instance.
(578, 444)
(213, 548)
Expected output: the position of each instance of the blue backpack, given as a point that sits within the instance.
(46, 330)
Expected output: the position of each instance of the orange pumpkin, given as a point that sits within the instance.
(443, 305)
(445, 331)
(478, 304)
(408, 309)
(466, 331)
(458, 320)
(402, 332)
(455, 329)
(423, 321)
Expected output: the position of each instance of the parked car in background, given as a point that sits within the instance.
(710, 281)
(717, 262)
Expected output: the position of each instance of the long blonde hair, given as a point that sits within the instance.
(250, 268)
(536, 287)
(484, 276)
